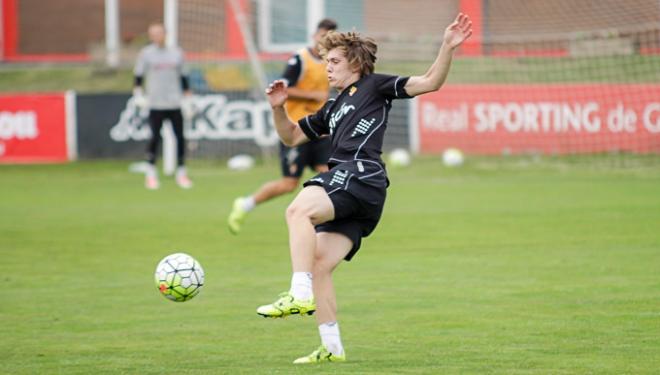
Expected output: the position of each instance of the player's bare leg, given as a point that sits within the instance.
(331, 248)
(320, 168)
(312, 206)
(273, 189)
(243, 205)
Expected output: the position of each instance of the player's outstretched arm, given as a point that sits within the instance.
(432, 80)
(289, 132)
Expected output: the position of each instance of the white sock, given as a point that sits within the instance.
(301, 285)
(151, 170)
(330, 338)
(181, 171)
(248, 203)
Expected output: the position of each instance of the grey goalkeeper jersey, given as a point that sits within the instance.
(162, 68)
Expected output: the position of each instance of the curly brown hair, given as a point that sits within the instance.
(359, 51)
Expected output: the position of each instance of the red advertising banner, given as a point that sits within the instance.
(547, 118)
(33, 128)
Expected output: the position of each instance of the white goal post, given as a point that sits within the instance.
(171, 16)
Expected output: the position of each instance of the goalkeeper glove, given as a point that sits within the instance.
(188, 108)
(139, 99)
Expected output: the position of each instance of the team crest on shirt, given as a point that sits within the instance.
(352, 91)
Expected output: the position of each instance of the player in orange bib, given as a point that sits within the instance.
(307, 88)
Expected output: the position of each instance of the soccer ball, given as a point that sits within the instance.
(179, 277)
(399, 157)
(452, 157)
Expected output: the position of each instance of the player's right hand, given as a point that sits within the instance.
(276, 93)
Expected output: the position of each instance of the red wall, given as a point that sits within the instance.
(33, 128)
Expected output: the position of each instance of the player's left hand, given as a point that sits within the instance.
(458, 31)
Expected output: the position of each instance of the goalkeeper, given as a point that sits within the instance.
(307, 89)
(336, 209)
(166, 82)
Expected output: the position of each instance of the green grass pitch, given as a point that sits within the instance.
(505, 267)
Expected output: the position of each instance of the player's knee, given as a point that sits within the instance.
(319, 268)
(297, 210)
(322, 265)
(318, 261)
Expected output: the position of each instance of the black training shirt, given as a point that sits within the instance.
(356, 119)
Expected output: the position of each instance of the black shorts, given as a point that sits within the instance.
(293, 160)
(358, 205)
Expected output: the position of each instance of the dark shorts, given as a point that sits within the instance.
(293, 160)
(358, 205)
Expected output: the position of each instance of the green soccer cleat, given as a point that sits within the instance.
(287, 305)
(237, 216)
(320, 355)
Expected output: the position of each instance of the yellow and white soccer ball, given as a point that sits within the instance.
(452, 157)
(399, 158)
(179, 277)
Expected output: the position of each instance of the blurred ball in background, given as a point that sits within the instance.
(399, 158)
(452, 157)
(241, 162)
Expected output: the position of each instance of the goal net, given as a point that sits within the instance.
(537, 77)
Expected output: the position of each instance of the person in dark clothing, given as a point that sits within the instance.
(336, 209)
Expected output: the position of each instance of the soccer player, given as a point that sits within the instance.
(307, 89)
(335, 209)
(166, 84)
